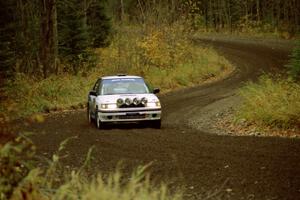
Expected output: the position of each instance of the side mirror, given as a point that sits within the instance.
(93, 93)
(156, 90)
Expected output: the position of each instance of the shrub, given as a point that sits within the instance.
(294, 63)
(136, 49)
(26, 95)
(15, 164)
(272, 102)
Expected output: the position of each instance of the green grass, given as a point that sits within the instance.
(271, 102)
(26, 96)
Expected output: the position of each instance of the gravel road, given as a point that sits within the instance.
(186, 152)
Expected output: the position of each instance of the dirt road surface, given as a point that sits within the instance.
(210, 166)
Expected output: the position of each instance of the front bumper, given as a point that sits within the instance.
(129, 115)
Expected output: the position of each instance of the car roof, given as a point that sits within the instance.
(119, 76)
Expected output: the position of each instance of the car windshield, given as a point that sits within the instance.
(123, 86)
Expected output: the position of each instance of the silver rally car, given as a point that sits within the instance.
(123, 98)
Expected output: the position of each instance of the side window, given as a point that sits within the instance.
(149, 86)
(96, 86)
(99, 86)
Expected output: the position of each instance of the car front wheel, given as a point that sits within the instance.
(89, 117)
(99, 124)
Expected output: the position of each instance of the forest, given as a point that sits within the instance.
(40, 38)
(53, 51)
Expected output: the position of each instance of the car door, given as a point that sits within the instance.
(92, 97)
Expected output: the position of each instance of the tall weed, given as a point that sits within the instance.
(25, 95)
(294, 63)
(20, 180)
(272, 102)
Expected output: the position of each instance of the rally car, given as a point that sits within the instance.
(123, 98)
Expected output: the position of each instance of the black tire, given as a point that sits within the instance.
(89, 117)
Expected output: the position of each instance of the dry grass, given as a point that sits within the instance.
(25, 95)
(76, 185)
(21, 179)
(271, 102)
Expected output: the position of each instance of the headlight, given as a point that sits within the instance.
(104, 106)
(108, 106)
(154, 105)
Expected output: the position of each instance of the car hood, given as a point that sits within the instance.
(113, 98)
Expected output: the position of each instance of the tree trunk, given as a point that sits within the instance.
(296, 14)
(48, 37)
(122, 10)
(258, 10)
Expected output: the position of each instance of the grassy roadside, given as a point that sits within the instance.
(271, 102)
(164, 56)
(270, 106)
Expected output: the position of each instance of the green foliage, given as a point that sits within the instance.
(7, 35)
(271, 102)
(294, 63)
(18, 46)
(73, 34)
(99, 23)
(15, 164)
(81, 26)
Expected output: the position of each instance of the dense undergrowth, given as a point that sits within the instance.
(274, 101)
(271, 102)
(163, 55)
(21, 179)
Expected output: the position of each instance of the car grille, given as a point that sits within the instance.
(132, 106)
(132, 116)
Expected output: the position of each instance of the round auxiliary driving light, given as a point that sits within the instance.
(144, 101)
(120, 102)
(127, 101)
(136, 101)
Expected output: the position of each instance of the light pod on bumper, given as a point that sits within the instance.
(144, 101)
(120, 102)
(128, 101)
(136, 101)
